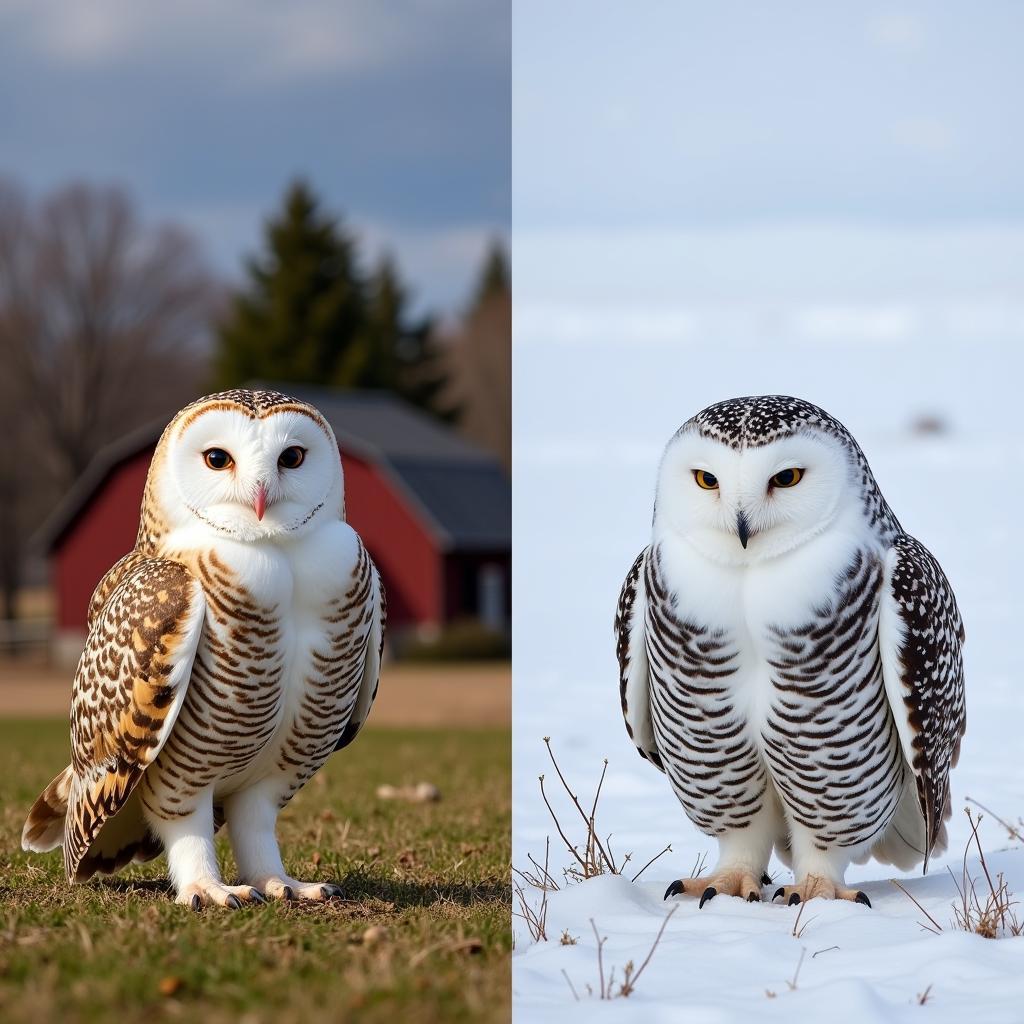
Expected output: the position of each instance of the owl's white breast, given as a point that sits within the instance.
(293, 582)
(747, 600)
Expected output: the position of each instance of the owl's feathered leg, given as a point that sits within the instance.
(251, 818)
(192, 860)
(819, 873)
(742, 859)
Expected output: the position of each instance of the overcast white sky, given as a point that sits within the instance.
(692, 113)
(397, 111)
(841, 167)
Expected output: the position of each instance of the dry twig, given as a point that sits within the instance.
(796, 973)
(597, 858)
(1014, 831)
(630, 978)
(985, 909)
(936, 927)
(536, 917)
(668, 849)
(606, 987)
(988, 914)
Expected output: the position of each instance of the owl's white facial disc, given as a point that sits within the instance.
(747, 502)
(259, 493)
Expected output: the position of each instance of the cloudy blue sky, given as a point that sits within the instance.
(397, 112)
(679, 112)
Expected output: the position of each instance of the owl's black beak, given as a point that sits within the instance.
(743, 528)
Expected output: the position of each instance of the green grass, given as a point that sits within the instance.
(434, 876)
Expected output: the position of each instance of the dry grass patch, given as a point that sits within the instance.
(422, 935)
(984, 905)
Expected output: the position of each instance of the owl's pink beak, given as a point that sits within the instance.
(259, 505)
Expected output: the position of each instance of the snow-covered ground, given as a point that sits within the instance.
(600, 385)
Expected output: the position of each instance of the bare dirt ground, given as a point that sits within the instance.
(410, 695)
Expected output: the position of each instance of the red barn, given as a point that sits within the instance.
(434, 511)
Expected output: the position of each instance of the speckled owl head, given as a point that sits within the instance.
(246, 465)
(750, 478)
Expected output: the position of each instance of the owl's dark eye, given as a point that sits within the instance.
(787, 477)
(217, 458)
(705, 479)
(291, 458)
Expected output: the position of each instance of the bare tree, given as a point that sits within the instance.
(480, 363)
(107, 320)
(104, 325)
(19, 461)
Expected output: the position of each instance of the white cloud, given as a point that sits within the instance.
(898, 32)
(250, 38)
(929, 135)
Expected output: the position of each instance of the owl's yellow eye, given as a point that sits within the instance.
(705, 479)
(787, 477)
(217, 458)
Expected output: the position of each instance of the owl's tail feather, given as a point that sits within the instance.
(903, 842)
(44, 827)
(124, 838)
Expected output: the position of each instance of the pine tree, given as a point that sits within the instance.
(303, 311)
(309, 315)
(494, 278)
(479, 360)
(373, 362)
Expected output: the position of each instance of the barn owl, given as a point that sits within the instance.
(228, 655)
(788, 656)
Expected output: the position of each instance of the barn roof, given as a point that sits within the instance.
(459, 491)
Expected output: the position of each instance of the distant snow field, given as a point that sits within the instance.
(594, 408)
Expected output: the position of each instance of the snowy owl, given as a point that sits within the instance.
(788, 656)
(228, 655)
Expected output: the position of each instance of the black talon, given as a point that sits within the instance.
(862, 897)
(674, 889)
(766, 879)
(754, 897)
(233, 902)
(287, 893)
(332, 892)
(257, 897)
(794, 899)
(196, 904)
(781, 891)
(709, 894)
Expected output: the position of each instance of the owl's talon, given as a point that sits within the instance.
(819, 887)
(276, 887)
(257, 897)
(726, 881)
(210, 893)
(766, 879)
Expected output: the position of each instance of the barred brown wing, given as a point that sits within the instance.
(129, 687)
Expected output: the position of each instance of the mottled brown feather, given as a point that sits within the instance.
(127, 691)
